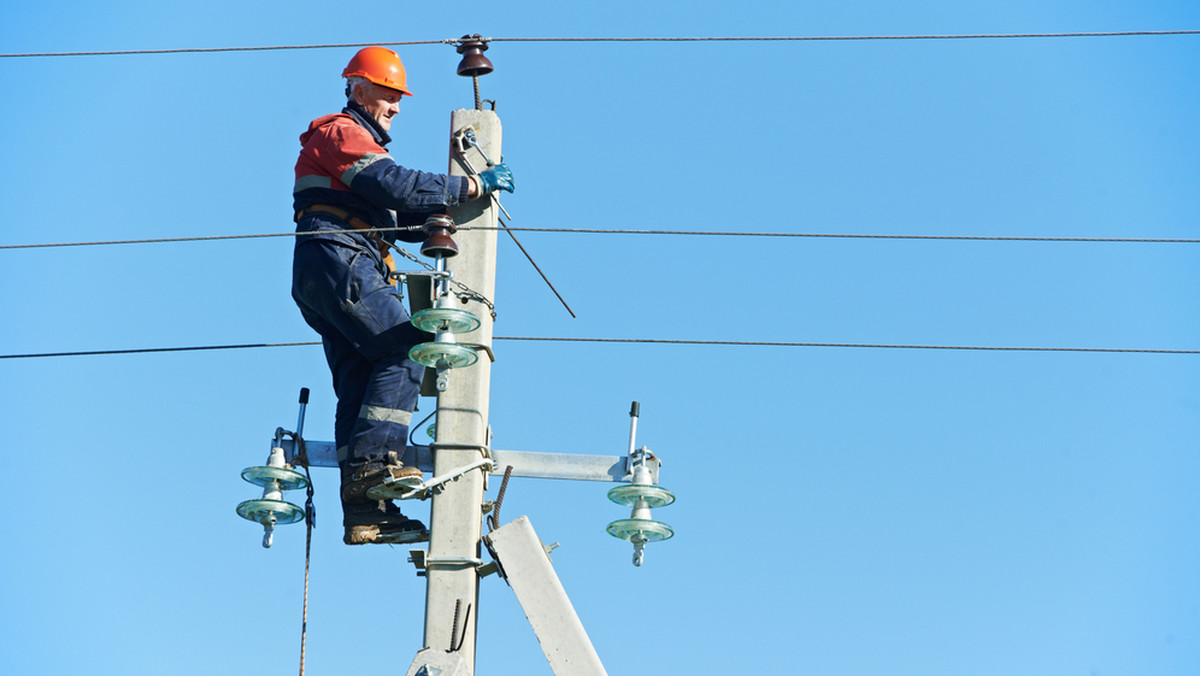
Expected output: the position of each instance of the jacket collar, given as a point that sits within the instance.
(364, 119)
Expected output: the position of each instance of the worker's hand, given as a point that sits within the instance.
(498, 177)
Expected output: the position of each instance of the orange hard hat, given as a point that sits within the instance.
(379, 65)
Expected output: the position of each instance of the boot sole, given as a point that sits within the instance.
(371, 535)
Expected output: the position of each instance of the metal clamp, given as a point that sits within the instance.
(422, 561)
(466, 137)
(393, 489)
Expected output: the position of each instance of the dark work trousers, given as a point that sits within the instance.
(367, 333)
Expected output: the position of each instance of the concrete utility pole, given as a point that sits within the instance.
(461, 458)
(462, 423)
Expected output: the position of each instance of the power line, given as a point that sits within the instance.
(688, 233)
(883, 346)
(155, 240)
(213, 50)
(833, 235)
(828, 38)
(639, 341)
(454, 41)
(151, 350)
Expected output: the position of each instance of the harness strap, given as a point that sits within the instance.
(358, 224)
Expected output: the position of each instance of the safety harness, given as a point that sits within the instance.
(358, 224)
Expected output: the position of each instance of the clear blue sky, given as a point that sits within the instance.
(840, 511)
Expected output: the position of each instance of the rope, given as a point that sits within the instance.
(310, 522)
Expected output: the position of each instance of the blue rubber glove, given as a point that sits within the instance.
(496, 178)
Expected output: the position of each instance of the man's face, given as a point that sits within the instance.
(382, 103)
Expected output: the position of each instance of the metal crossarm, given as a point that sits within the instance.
(526, 464)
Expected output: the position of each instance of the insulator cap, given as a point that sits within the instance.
(473, 63)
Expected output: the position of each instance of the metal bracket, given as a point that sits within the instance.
(453, 446)
(644, 458)
(480, 346)
(531, 575)
(469, 136)
(431, 662)
(421, 286)
(526, 464)
(422, 561)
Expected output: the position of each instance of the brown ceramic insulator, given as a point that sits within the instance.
(473, 63)
(440, 221)
(438, 243)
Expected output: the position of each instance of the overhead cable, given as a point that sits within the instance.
(884, 346)
(641, 341)
(834, 235)
(155, 240)
(454, 41)
(828, 38)
(688, 233)
(151, 350)
(212, 50)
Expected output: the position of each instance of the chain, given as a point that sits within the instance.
(465, 292)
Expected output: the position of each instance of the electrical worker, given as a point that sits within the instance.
(347, 183)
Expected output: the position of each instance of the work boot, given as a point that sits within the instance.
(356, 481)
(380, 522)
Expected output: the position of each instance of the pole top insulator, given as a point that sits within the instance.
(473, 63)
